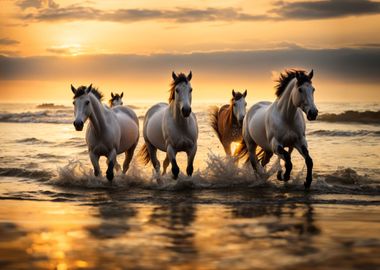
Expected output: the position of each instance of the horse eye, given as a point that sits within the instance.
(87, 102)
(191, 90)
(177, 90)
(313, 90)
(300, 90)
(245, 103)
(73, 102)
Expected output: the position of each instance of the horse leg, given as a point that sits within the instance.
(171, 152)
(111, 163)
(302, 149)
(227, 148)
(190, 160)
(266, 158)
(165, 164)
(95, 163)
(153, 157)
(288, 163)
(128, 157)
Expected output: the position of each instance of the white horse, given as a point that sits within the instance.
(116, 99)
(274, 126)
(110, 132)
(171, 128)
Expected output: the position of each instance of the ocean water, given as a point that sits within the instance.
(55, 214)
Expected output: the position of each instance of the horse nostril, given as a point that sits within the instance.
(186, 111)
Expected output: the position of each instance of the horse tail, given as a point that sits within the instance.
(143, 154)
(214, 118)
(241, 151)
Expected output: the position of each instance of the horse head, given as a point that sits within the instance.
(239, 105)
(181, 92)
(303, 97)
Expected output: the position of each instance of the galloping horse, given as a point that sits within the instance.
(227, 120)
(171, 128)
(116, 99)
(274, 126)
(110, 131)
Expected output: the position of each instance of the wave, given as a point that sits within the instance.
(21, 172)
(50, 106)
(61, 117)
(32, 141)
(343, 133)
(367, 117)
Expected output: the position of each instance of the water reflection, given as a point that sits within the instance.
(175, 221)
(114, 216)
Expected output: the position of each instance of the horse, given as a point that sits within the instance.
(274, 126)
(171, 127)
(116, 99)
(111, 131)
(227, 120)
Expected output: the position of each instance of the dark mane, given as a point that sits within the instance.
(287, 76)
(180, 78)
(81, 90)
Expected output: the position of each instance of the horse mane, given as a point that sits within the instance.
(287, 76)
(81, 90)
(181, 77)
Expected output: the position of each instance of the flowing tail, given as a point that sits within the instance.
(242, 153)
(214, 115)
(143, 154)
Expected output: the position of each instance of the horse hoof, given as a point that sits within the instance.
(189, 170)
(175, 171)
(307, 186)
(110, 176)
(279, 175)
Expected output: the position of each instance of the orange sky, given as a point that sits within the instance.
(32, 30)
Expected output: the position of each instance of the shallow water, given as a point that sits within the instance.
(55, 214)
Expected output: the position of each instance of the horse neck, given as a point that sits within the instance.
(175, 112)
(230, 115)
(97, 116)
(285, 103)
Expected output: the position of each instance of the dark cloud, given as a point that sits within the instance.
(24, 4)
(311, 10)
(178, 15)
(8, 41)
(359, 65)
(50, 11)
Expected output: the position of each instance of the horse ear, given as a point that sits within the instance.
(73, 89)
(189, 76)
(88, 90)
(112, 96)
(245, 93)
(174, 76)
(122, 93)
(298, 76)
(311, 74)
(233, 93)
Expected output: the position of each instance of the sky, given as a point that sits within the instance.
(133, 46)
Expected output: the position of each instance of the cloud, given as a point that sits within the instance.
(8, 41)
(66, 50)
(358, 65)
(178, 15)
(24, 4)
(50, 11)
(325, 9)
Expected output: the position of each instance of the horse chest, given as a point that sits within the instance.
(235, 132)
(288, 137)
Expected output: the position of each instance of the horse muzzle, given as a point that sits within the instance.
(186, 111)
(78, 124)
(312, 115)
